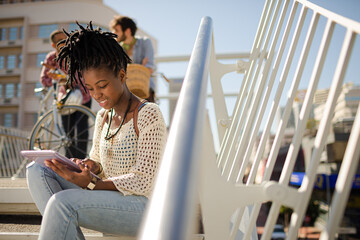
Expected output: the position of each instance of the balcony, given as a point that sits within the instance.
(9, 101)
(10, 72)
(11, 43)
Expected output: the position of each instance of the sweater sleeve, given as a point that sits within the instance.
(150, 146)
(45, 80)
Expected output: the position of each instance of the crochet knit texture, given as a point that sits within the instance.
(131, 162)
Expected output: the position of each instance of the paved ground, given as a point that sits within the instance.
(20, 223)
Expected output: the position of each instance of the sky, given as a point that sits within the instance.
(175, 25)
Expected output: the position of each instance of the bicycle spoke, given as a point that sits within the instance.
(50, 131)
(86, 130)
(78, 131)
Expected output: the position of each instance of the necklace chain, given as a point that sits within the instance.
(122, 121)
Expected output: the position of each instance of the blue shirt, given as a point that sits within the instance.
(143, 48)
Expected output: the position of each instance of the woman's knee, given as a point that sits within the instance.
(59, 202)
(34, 169)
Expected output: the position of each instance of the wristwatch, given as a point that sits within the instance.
(92, 183)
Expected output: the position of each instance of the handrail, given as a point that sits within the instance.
(11, 142)
(169, 213)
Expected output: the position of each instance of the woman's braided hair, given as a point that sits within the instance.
(87, 48)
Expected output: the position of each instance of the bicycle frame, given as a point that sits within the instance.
(54, 91)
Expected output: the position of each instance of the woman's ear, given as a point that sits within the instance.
(122, 76)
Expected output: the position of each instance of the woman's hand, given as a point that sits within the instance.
(91, 164)
(81, 179)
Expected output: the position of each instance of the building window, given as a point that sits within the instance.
(13, 33)
(74, 26)
(38, 85)
(9, 90)
(11, 61)
(46, 30)
(18, 90)
(3, 34)
(20, 61)
(40, 58)
(21, 35)
(2, 62)
(8, 120)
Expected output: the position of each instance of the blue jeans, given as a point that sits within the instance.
(65, 207)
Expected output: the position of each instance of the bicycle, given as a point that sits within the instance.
(49, 131)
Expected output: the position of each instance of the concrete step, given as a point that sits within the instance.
(28, 227)
(35, 236)
(15, 197)
(20, 219)
(19, 227)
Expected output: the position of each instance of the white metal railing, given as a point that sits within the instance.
(230, 197)
(12, 141)
(170, 210)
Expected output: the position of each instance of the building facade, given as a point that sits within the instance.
(25, 27)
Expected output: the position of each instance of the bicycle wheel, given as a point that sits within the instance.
(77, 124)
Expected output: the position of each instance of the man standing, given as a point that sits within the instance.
(139, 49)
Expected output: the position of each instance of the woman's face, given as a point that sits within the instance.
(106, 88)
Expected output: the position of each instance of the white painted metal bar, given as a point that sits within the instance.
(186, 58)
(242, 107)
(298, 75)
(323, 131)
(271, 117)
(343, 185)
(338, 19)
(171, 207)
(217, 70)
(239, 163)
(11, 142)
(276, 146)
(245, 143)
(227, 142)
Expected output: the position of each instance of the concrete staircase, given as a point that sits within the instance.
(20, 219)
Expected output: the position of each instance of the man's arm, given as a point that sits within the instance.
(49, 61)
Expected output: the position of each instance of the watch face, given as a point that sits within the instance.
(91, 186)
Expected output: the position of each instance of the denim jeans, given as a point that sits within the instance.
(65, 207)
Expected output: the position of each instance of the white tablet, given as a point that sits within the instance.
(40, 156)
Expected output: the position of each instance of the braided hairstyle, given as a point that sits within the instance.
(87, 48)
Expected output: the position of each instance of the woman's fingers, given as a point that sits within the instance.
(81, 179)
(92, 165)
(57, 167)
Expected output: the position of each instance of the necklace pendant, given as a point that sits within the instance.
(107, 137)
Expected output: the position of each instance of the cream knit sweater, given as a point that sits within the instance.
(131, 162)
